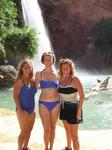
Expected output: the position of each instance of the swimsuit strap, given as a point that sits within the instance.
(41, 75)
(22, 80)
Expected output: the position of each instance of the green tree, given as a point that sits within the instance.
(103, 39)
(15, 42)
(2, 51)
(8, 15)
(20, 43)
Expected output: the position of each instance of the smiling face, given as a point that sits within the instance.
(48, 57)
(48, 60)
(66, 69)
(27, 69)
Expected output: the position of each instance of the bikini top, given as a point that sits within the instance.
(48, 84)
(68, 93)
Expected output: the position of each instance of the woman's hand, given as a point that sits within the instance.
(79, 115)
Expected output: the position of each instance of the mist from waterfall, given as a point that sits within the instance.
(33, 18)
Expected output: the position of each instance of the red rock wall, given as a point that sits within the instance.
(69, 23)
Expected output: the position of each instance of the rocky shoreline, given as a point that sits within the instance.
(7, 76)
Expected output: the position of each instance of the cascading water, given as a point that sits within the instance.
(33, 18)
(101, 102)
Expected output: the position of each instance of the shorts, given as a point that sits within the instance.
(68, 112)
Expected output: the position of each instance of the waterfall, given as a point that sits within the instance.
(33, 18)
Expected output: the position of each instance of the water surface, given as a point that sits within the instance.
(97, 108)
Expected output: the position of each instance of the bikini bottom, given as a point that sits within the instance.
(49, 105)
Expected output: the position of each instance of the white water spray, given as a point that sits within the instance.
(33, 18)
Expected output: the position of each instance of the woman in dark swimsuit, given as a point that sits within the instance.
(23, 92)
(49, 103)
(72, 97)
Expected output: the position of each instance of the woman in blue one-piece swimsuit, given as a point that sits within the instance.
(24, 91)
(49, 103)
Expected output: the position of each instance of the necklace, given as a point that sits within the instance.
(26, 81)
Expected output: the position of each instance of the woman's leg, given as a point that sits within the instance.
(30, 127)
(74, 134)
(45, 117)
(68, 133)
(54, 116)
(23, 122)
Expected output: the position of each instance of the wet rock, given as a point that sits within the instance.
(7, 75)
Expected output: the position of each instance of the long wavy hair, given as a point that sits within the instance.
(71, 64)
(21, 65)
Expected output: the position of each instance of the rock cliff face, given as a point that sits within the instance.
(69, 24)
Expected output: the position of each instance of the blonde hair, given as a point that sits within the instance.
(48, 54)
(21, 65)
(66, 61)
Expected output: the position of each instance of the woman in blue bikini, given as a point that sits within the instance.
(49, 103)
(24, 91)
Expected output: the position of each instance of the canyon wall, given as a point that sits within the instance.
(69, 24)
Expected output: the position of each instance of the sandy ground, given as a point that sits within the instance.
(90, 140)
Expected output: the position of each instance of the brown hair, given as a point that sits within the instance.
(21, 65)
(66, 61)
(48, 54)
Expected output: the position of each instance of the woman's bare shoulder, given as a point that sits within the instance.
(75, 79)
(38, 73)
(18, 82)
(55, 73)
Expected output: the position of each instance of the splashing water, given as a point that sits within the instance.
(33, 18)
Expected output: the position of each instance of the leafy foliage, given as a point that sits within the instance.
(2, 51)
(8, 15)
(21, 42)
(14, 42)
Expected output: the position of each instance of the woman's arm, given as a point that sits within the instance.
(37, 80)
(16, 91)
(77, 84)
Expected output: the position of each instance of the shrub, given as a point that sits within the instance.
(2, 51)
(21, 42)
(8, 15)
